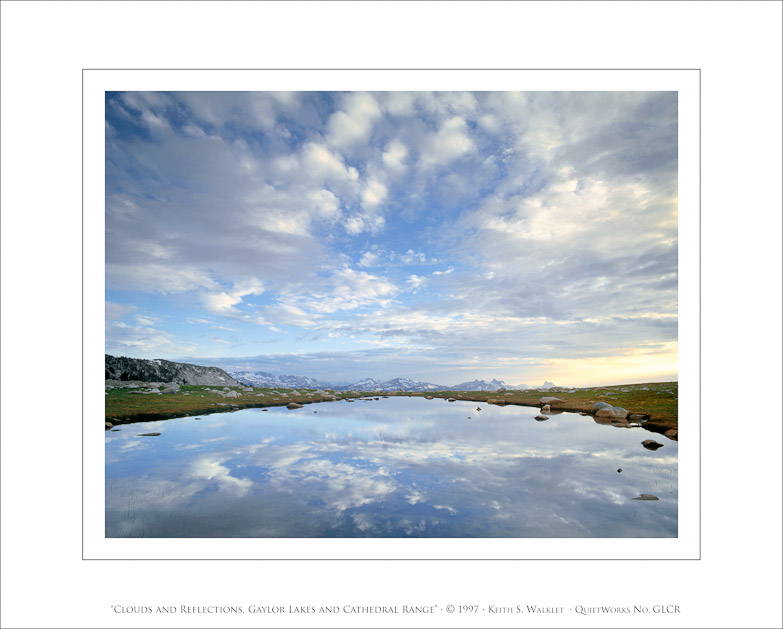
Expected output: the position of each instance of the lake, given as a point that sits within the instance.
(393, 467)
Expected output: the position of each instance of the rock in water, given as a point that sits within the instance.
(546, 409)
(671, 433)
(645, 497)
(293, 405)
(149, 434)
(602, 409)
(541, 418)
(651, 445)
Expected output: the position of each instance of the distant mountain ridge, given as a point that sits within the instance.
(159, 370)
(268, 380)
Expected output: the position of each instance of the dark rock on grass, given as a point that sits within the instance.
(645, 497)
(149, 434)
(540, 418)
(293, 405)
(651, 445)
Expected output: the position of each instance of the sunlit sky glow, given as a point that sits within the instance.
(436, 236)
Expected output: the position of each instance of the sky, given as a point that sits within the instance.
(439, 236)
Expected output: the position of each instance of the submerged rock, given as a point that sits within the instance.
(651, 445)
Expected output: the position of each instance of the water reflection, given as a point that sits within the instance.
(394, 467)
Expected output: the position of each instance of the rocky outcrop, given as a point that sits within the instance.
(124, 369)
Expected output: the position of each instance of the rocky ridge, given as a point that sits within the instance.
(126, 369)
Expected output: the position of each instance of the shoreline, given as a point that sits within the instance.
(179, 405)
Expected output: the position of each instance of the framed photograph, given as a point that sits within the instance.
(349, 311)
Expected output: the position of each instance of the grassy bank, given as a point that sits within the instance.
(657, 401)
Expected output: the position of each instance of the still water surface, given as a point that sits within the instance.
(396, 467)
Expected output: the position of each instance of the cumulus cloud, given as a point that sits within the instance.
(353, 124)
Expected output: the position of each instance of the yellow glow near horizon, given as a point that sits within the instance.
(636, 366)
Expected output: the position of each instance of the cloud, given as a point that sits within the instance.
(353, 124)
(451, 142)
(224, 302)
(144, 342)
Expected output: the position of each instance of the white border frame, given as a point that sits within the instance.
(685, 82)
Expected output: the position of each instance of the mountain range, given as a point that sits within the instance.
(265, 379)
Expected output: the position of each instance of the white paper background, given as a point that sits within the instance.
(44, 48)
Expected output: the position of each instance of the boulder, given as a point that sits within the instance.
(651, 445)
(602, 409)
(427, 397)
(671, 434)
(109, 425)
(293, 405)
(541, 418)
(638, 416)
(582, 413)
(451, 399)
(232, 394)
(550, 400)
(546, 409)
